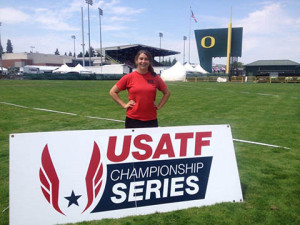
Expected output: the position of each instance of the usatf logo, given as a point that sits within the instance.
(140, 170)
(50, 183)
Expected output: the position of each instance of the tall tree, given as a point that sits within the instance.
(80, 55)
(1, 50)
(174, 61)
(70, 53)
(92, 52)
(56, 52)
(9, 47)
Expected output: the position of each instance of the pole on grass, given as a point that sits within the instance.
(82, 28)
(89, 2)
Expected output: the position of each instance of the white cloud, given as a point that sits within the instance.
(44, 44)
(125, 10)
(52, 19)
(114, 8)
(54, 23)
(13, 16)
(114, 27)
(120, 19)
(271, 19)
(270, 33)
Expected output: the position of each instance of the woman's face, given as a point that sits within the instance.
(143, 62)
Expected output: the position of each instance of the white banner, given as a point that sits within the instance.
(73, 176)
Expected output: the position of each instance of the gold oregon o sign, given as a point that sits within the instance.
(212, 42)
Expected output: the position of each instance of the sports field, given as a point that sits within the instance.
(264, 113)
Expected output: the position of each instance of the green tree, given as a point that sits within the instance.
(9, 47)
(167, 62)
(92, 51)
(1, 49)
(240, 65)
(86, 54)
(80, 55)
(174, 61)
(70, 53)
(56, 52)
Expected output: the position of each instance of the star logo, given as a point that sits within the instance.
(73, 199)
(50, 182)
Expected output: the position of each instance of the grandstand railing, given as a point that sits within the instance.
(111, 59)
(242, 79)
(279, 79)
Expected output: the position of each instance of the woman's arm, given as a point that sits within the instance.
(114, 93)
(164, 99)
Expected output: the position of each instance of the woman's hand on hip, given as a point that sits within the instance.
(129, 104)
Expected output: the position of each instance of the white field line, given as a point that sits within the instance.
(7, 103)
(66, 113)
(265, 94)
(258, 143)
(121, 121)
(49, 110)
(5, 209)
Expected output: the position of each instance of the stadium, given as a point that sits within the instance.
(119, 60)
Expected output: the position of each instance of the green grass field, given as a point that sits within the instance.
(266, 113)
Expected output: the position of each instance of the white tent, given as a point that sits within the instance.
(4, 70)
(188, 67)
(199, 69)
(175, 73)
(80, 69)
(63, 69)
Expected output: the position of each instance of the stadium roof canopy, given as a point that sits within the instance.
(273, 67)
(126, 53)
(284, 62)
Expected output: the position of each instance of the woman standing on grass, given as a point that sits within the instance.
(141, 85)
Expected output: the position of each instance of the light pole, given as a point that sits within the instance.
(100, 14)
(89, 2)
(160, 36)
(74, 37)
(82, 28)
(1, 50)
(32, 47)
(184, 39)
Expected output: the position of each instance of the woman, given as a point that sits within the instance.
(141, 85)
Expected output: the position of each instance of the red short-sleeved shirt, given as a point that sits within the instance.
(142, 89)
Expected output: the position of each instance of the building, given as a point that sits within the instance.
(273, 68)
(23, 59)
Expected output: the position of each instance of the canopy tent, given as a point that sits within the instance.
(199, 69)
(63, 69)
(175, 73)
(80, 69)
(188, 67)
(3, 70)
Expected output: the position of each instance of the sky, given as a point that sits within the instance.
(271, 29)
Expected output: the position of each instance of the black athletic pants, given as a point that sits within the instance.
(132, 123)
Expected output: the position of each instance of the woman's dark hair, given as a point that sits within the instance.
(150, 57)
